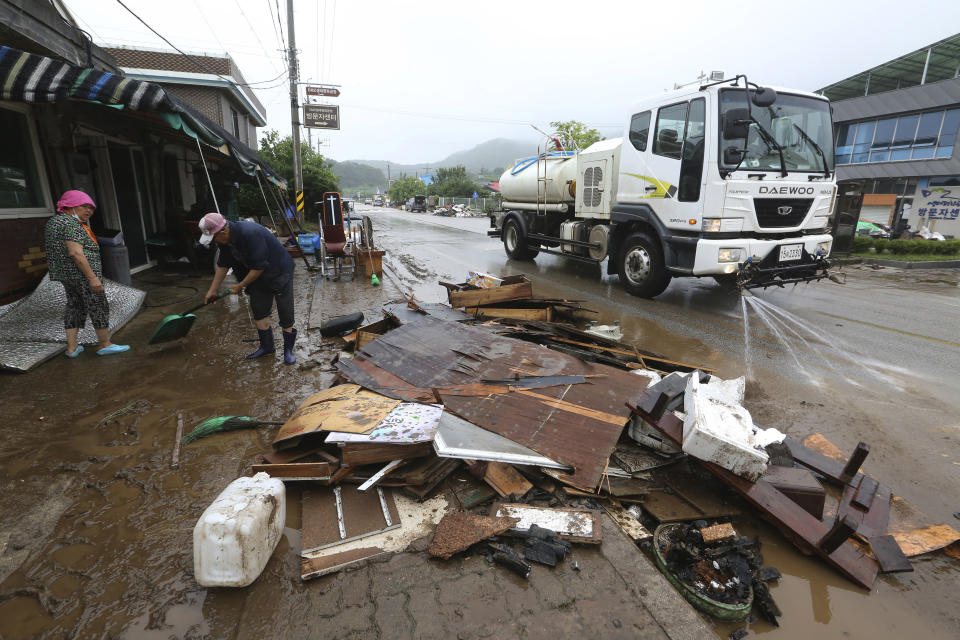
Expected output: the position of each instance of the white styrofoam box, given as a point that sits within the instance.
(727, 391)
(236, 535)
(720, 433)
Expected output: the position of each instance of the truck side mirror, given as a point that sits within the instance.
(736, 124)
(731, 155)
(764, 97)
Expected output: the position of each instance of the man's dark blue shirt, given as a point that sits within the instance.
(254, 247)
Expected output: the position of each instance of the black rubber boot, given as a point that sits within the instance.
(289, 337)
(266, 344)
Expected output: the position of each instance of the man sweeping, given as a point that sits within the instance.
(264, 270)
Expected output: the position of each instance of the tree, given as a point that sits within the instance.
(575, 133)
(405, 188)
(278, 153)
(452, 182)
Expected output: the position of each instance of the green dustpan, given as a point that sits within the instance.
(178, 324)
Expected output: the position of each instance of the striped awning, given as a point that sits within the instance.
(28, 77)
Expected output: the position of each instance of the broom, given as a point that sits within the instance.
(225, 423)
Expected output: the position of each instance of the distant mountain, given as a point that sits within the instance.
(499, 152)
(356, 174)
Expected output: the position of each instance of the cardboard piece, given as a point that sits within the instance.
(351, 410)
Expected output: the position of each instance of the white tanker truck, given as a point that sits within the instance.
(704, 182)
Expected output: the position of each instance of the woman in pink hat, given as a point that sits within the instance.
(73, 258)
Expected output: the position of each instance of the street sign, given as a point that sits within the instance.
(321, 116)
(328, 92)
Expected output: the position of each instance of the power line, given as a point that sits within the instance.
(189, 57)
(252, 30)
(333, 24)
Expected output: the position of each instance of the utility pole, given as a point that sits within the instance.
(294, 101)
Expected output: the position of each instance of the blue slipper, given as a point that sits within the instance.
(75, 353)
(114, 348)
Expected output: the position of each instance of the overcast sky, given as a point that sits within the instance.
(423, 79)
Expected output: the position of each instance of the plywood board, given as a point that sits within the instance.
(575, 525)
(506, 480)
(360, 514)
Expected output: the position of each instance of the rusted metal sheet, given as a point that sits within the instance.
(576, 425)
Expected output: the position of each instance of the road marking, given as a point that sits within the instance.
(900, 331)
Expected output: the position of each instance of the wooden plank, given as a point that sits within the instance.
(851, 469)
(357, 454)
(480, 297)
(323, 565)
(863, 499)
(878, 517)
(542, 315)
(296, 470)
(889, 555)
(506, 480)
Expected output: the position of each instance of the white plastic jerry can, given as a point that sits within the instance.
(236, 535)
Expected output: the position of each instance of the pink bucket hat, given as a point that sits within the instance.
(209, 225)
(74, 198)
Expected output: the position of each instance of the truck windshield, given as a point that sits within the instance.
(786, 120)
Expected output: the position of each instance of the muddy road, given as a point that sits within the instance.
(95, 527)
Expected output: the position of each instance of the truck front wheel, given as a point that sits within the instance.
(641, 266)
(515, 242)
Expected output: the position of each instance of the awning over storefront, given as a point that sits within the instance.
(27, 77)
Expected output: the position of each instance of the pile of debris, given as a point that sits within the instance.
(546, 428)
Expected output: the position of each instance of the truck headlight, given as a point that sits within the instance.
(711, 224)
(820, 222)
(823, 248)
(729, 255)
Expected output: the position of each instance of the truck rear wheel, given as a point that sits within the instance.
(641, 266)
(515, 242)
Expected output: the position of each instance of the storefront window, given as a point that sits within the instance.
(20, 186)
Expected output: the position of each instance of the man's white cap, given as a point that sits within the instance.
(209, 225)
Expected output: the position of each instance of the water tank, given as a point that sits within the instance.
(519, 182)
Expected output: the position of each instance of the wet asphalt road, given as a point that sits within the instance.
(873, 360)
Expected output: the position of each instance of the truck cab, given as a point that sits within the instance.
(728, 180)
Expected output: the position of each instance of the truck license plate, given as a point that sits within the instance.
(790, 252)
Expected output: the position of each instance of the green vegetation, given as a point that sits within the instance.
(355, 175)
(278, 153)
(577, 133)
(450, 182)
(405, 188)
(915, 250)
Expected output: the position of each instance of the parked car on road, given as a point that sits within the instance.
(417, 203)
